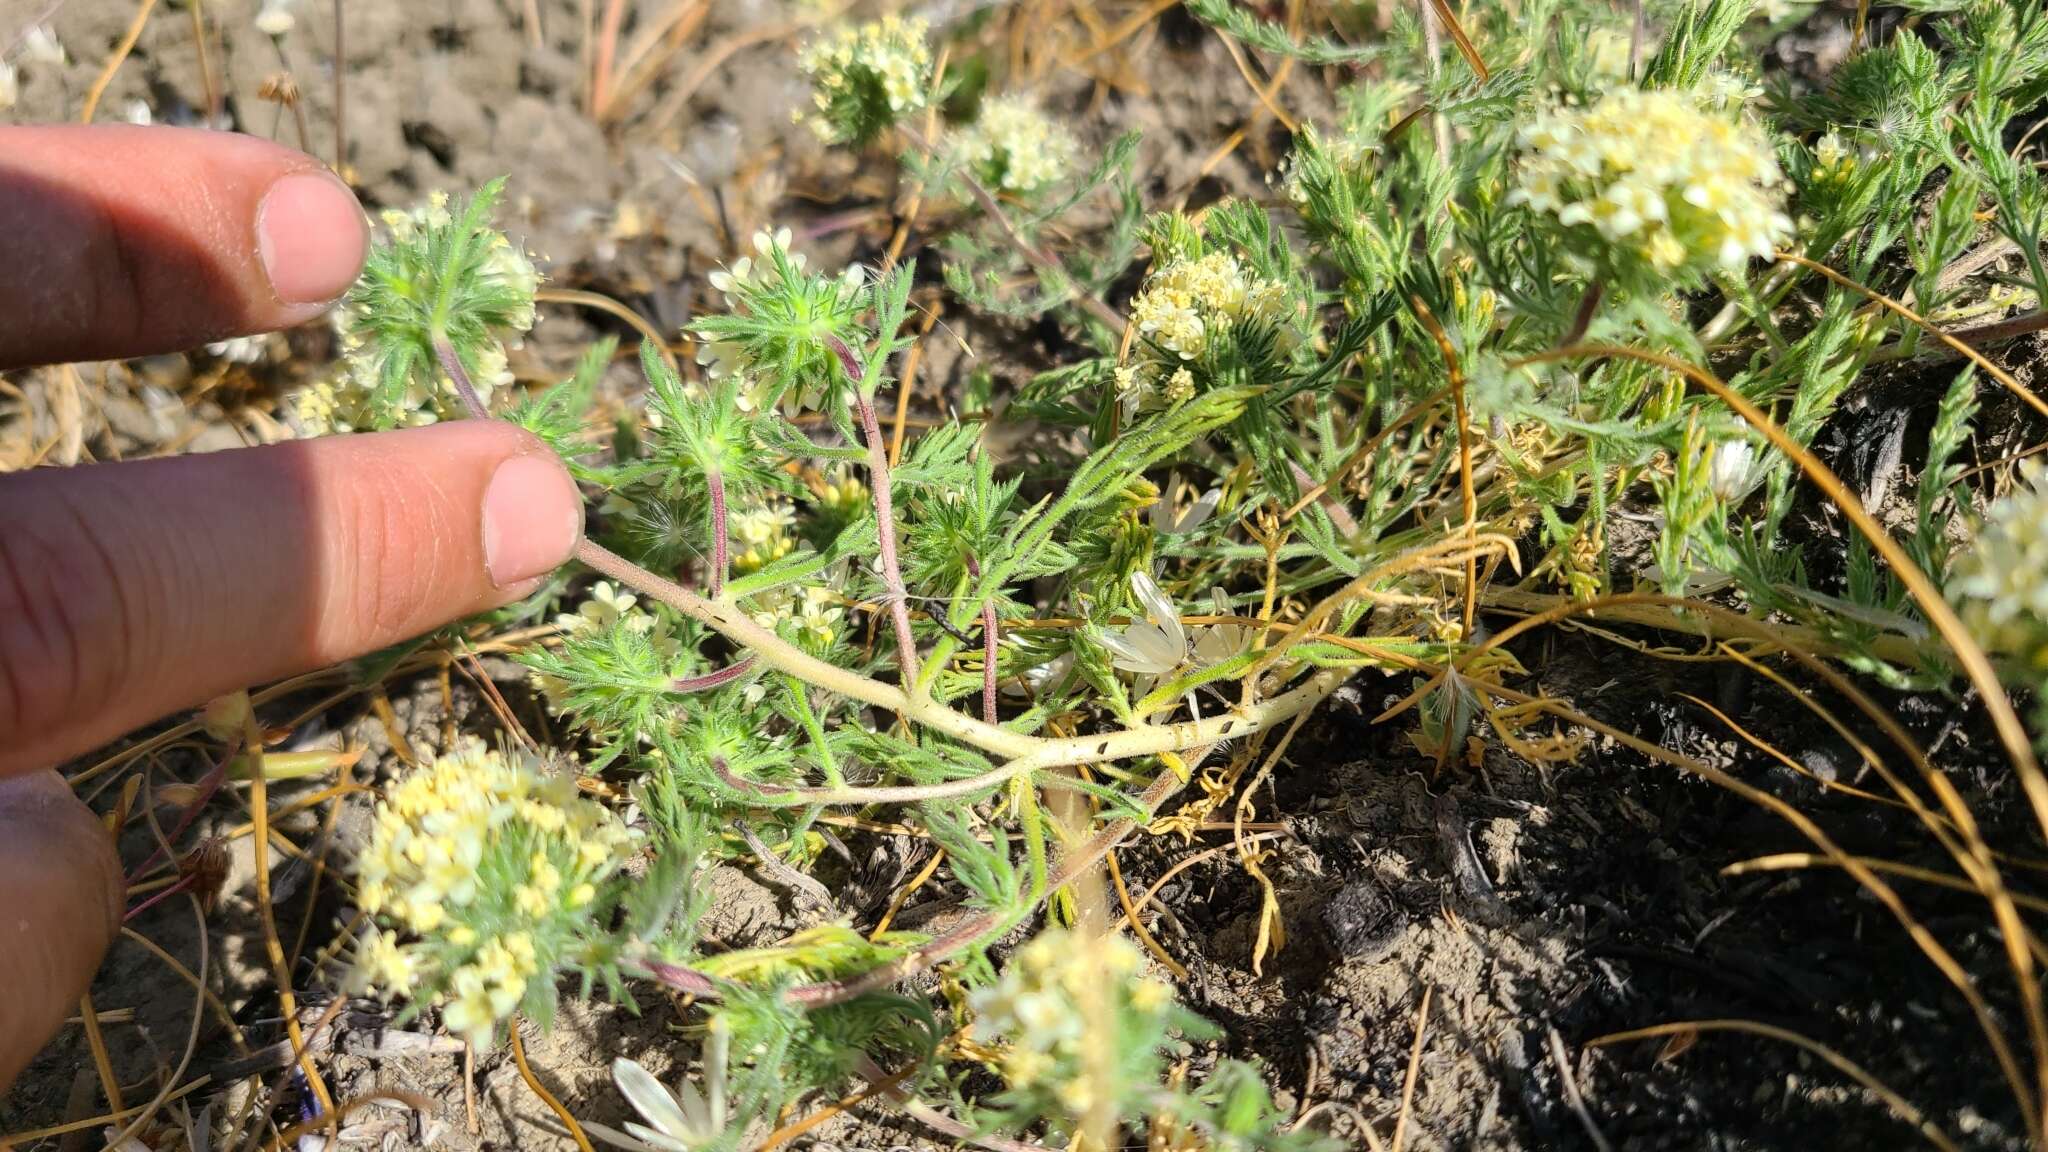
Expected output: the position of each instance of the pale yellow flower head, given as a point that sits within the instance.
(1061, 993)
(1661, 179)
(1186, 306)
(1015, 147)
(760, 536)
(864, 78)
(478, 868)
(2001, 580)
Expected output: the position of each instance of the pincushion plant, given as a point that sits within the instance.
(1412, 388)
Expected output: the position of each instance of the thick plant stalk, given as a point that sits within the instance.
(1028, 753)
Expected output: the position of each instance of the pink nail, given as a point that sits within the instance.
(532, 518)
(311, 236)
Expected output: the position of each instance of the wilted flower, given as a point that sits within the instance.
(1657, 179)
(681, 1121)
(1155, 645)
(40, 46)
(1016, 147)
(1170, 519)
(241, 349)
(275, 17)
(1728, 468)
(1215, 643)
(2001, 582)
(864, 79)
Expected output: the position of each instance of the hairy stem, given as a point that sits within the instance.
(989, 637)
(459, 376)
(719, 528)
(885, 527)
(1589, 305)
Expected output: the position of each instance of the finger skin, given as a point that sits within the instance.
(60, 906)
(119, 240)
(132, 590)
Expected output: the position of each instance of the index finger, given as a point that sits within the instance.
(120, 241)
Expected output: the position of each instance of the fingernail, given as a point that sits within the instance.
(311, 236)
(532, 517)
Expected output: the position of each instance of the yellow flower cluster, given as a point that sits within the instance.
(1183, 308)
(1657, 177)
(1834, 161)
(1017, 148)
(342, 403)
(2001, 582)
(816, 610)
(480, 860)
(884, 59)
(840, 493)
(761, 536)
(1049, 999)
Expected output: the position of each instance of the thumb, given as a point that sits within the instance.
(128, 591)
(60, 904)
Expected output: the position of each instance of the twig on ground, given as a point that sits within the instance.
(1570, 1085)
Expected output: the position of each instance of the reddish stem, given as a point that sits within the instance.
(459, 376)
(710, 680)
(718, 532)
(183, 883)
(208, 785)
(989, 636)
(885, 526)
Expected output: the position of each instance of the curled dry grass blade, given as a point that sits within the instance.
(1897, 1103)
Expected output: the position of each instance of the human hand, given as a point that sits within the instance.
(129, 591)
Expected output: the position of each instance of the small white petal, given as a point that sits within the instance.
(654, 1102)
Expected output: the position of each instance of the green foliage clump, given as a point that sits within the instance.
(1417, 385)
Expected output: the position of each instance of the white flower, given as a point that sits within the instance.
(682, 1121)
(2001, 581)
(1215, 643)
(1677, 180)
(40, 46)
(1155, 645)
(275, 17)
(242, 349)
(10, 86)
(1016, 147)
(1728, 468)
